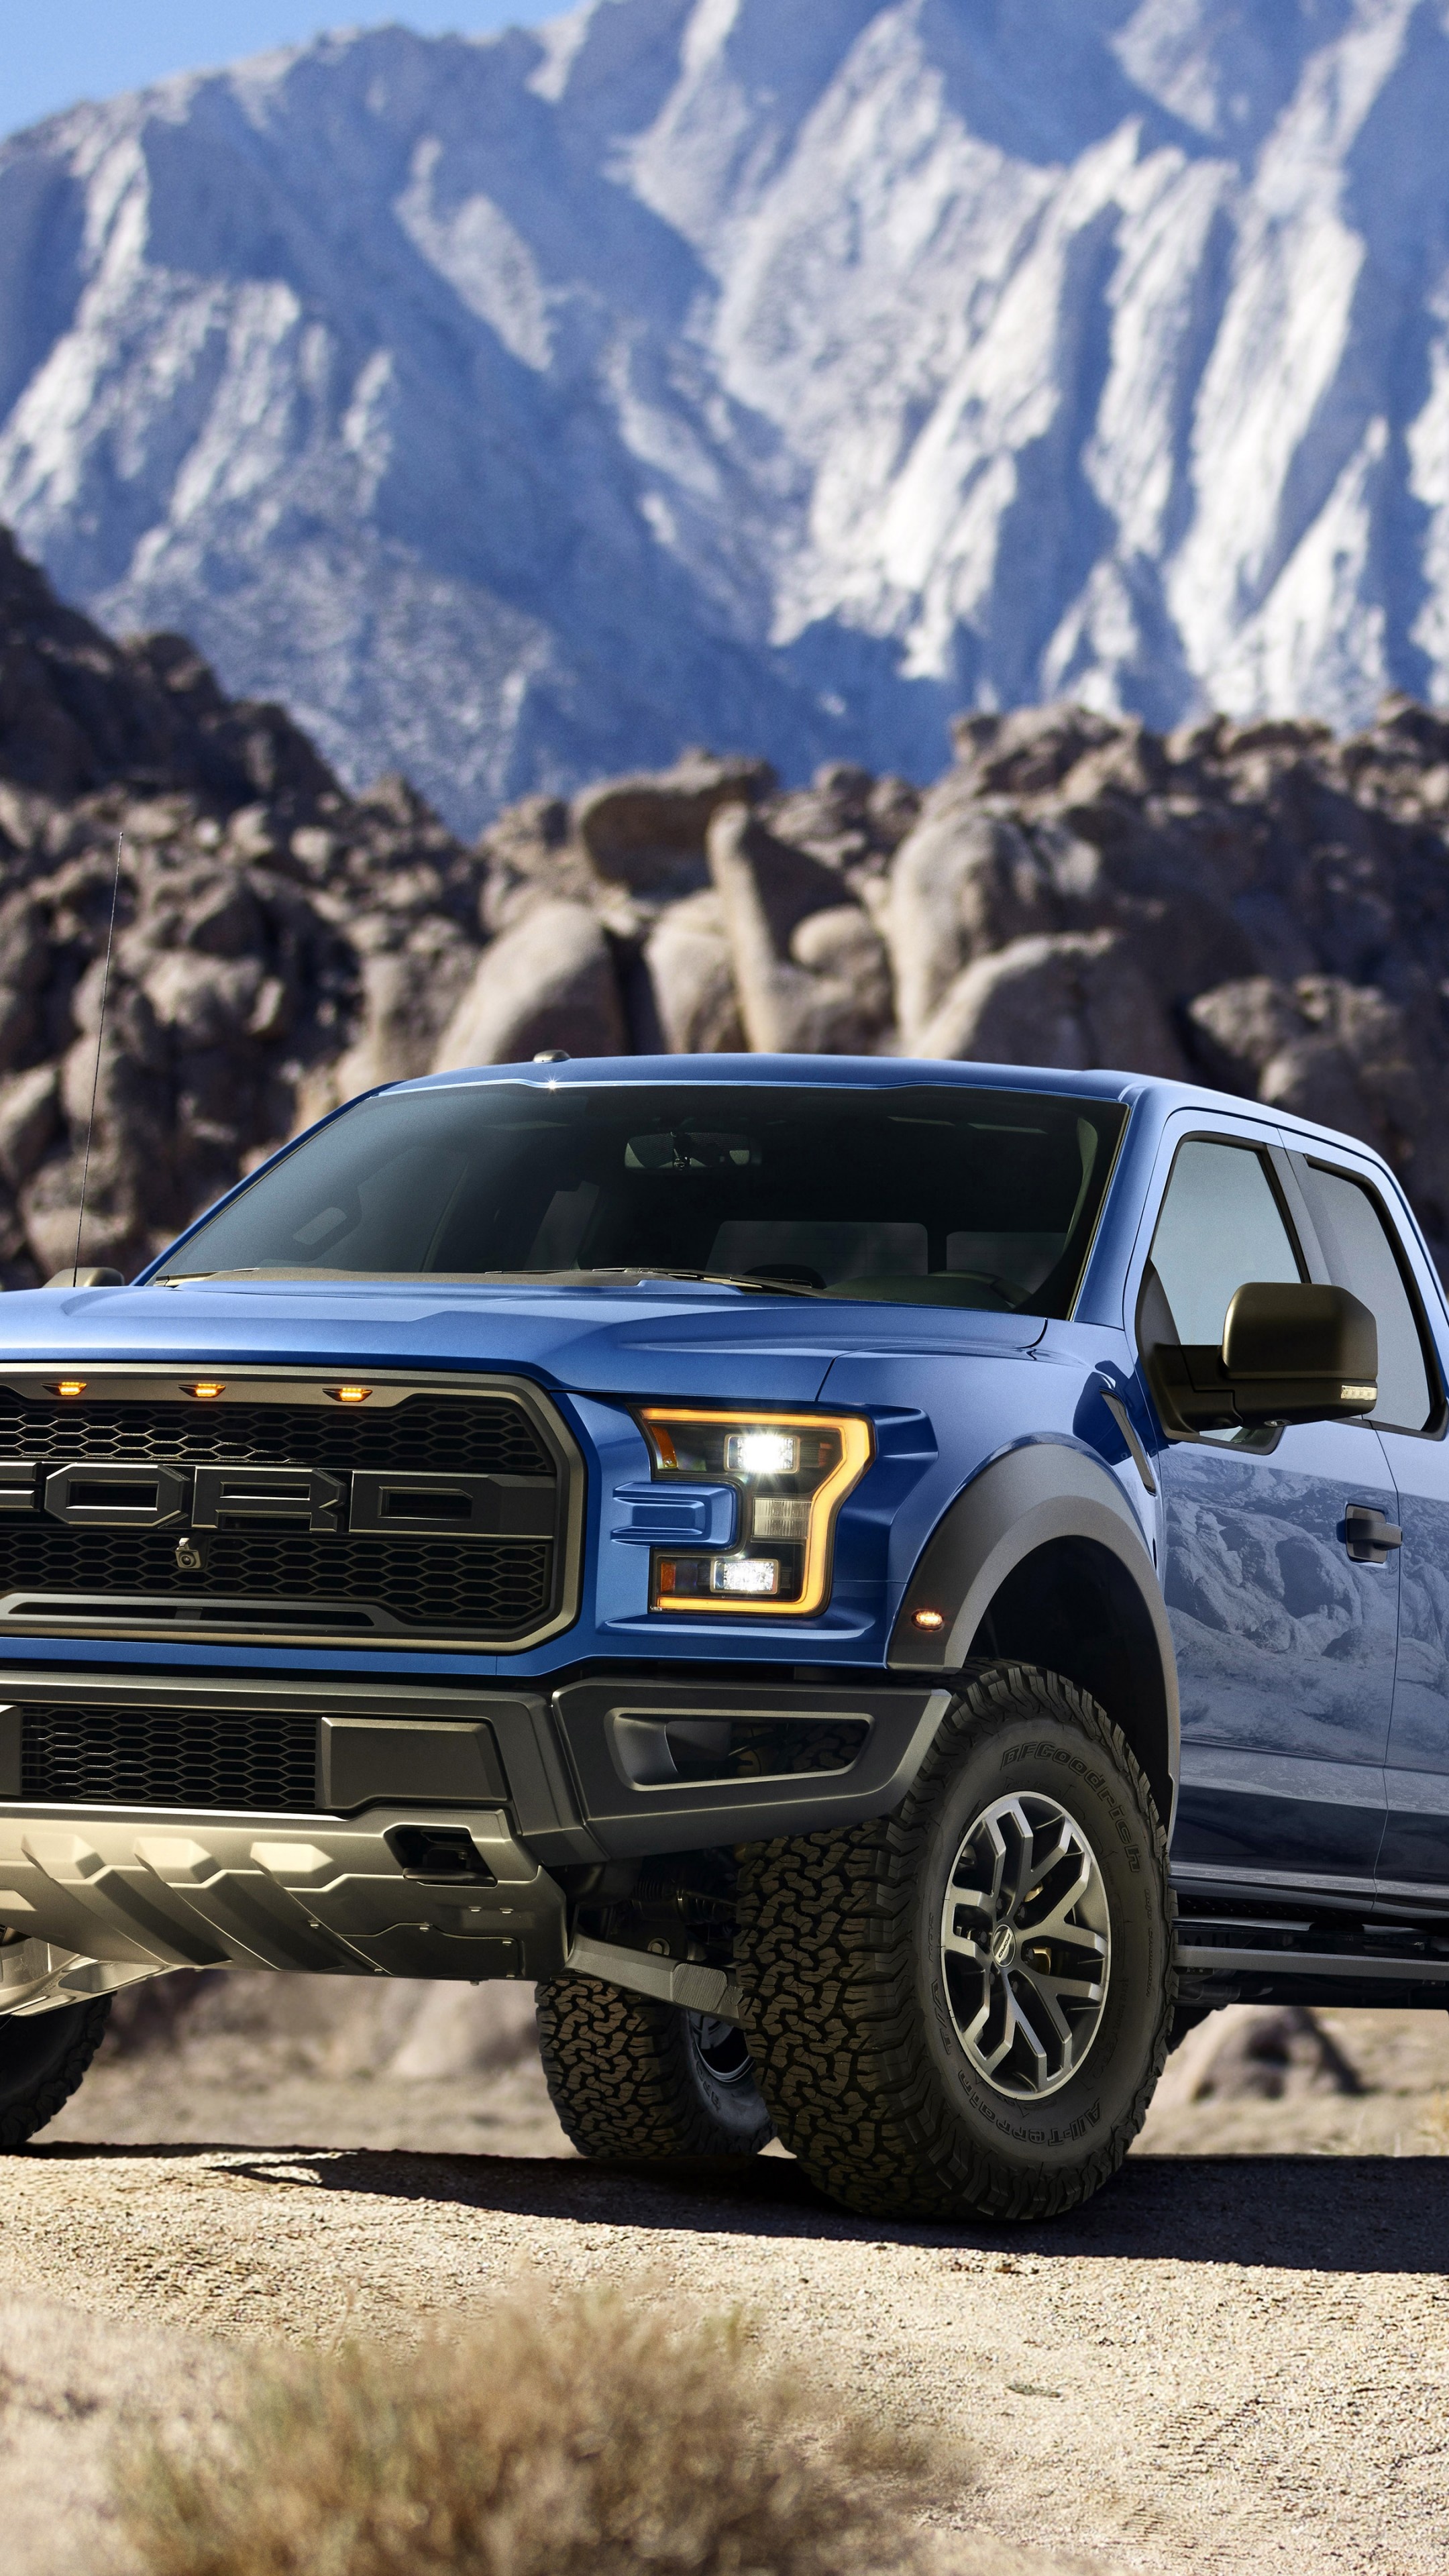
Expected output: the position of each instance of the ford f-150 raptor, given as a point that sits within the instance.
(886, 1589)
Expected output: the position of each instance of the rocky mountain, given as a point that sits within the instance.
(263, 917)
(788, 372)
(1265, 905)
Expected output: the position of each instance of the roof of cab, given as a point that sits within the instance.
(818, 1072)
(877, 1073)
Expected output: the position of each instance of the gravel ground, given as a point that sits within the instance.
(1236, 2359)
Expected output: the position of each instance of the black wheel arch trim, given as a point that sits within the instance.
(1048, 1496)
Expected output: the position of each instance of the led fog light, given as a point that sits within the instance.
(748, 1574)
(792, 1473)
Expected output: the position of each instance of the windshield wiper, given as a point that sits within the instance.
(249, 1270)
(520, 1278)
(708, 1278)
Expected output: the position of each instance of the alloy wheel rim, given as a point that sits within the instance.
(721, 2047)
(1026, 1946)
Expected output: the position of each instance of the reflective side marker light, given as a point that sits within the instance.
(931, 1619)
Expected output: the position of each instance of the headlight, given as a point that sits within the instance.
(793, 1472)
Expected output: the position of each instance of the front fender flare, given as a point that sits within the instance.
(1030, 1499)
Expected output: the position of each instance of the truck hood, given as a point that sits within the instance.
(660, 1337)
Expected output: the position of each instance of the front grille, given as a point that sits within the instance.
(501, 1585)
(250, 1759)
(449, 1435)
(256, 1574)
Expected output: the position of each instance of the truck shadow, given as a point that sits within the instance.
(1358, 2214)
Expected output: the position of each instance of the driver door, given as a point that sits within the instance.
(1285, 1640)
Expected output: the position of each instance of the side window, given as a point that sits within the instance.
(1361, 1256)
(1220, 1226)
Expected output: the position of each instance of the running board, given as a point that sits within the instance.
(1256, 1959)
(1217, 1960)
(669, 1981)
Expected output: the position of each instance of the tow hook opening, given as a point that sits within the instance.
(439, 1851)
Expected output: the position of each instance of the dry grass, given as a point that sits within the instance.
(585, 2437)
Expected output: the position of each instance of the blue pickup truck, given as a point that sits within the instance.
(885, 1589)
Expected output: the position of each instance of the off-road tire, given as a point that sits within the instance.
(628, 2077)
(42, 2061)
(843, 1992)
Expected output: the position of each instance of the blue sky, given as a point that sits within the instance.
(53, 52)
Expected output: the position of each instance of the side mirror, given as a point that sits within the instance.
(1290, 1353)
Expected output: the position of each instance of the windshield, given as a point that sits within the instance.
(931, 1196)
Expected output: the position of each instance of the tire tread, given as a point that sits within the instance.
(829, 1999)
(620, 2077)
(31, 2110)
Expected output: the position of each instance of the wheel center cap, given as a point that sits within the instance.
(1003, 1946)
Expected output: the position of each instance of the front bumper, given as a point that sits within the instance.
(506, 1787)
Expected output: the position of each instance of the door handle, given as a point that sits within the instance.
(1369, 1535)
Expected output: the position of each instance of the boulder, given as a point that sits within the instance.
(531, 857)
(1029, 751)
(1078, 1000)
(466, 2030)
(204, 1001)
(964, 884)
(48, 1205)
(768, 889)
(239, 2028)
(1344, 1055)
(688, 961)
(548, 982)
(844, 945)
(29, 1121)
(1255, 2052)
(408, 997)
(832, 818)
(649, 832)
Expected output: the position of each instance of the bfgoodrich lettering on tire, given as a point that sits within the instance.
(964, 2007)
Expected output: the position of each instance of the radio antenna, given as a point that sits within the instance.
(80, 1214)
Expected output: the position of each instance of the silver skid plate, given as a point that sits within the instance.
(134, 1895)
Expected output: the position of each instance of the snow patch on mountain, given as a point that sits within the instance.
(771, 371)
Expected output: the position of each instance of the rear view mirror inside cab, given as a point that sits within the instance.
(1292, 1351)
(690, 1149)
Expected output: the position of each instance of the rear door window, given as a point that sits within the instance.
(1359, 1249)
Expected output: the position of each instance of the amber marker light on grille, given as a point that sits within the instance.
(206, 1386)
(931, 1619)
(71, 1386)
(349, 1394)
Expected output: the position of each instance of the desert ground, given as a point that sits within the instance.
(1237, 2358)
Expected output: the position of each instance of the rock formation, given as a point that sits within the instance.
(278, 943)
(1262, 906)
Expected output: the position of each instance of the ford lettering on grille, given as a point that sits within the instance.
(135, 1497)
(435, 1518)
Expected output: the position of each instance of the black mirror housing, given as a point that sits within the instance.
(1291, 1352)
